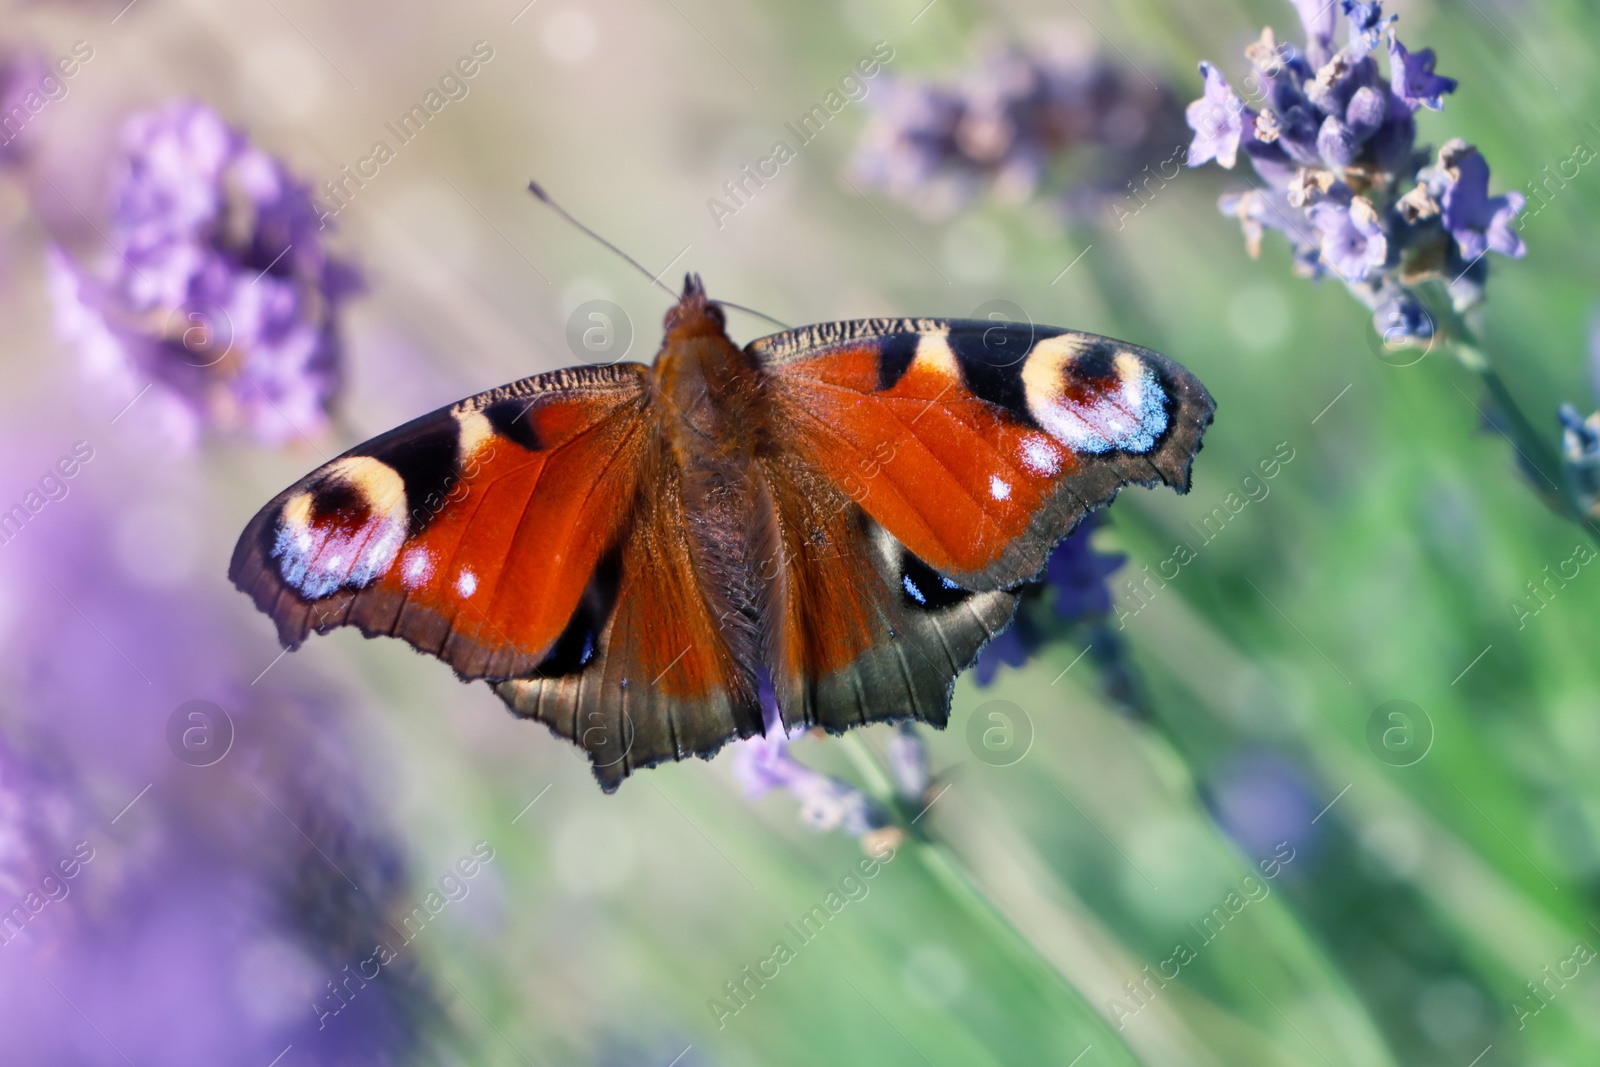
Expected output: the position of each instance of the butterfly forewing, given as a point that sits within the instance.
(472, 532)
(978, 445)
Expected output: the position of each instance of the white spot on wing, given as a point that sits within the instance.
(998, 488)
(1040, 456)
(467, 583)
(416, 568)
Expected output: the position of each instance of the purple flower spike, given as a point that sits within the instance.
(1412, 78)
(1217, 119)
(908, 761)
(1002, 126)
(762, 764)
(22, 76)
(1334, 151)
(1479, 222)
(1353, 243)
(1079, 575)
(219, 293)
(1010, 648)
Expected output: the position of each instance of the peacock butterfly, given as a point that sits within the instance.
(626, 553)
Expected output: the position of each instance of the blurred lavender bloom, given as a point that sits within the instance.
(908, 761)
(1079, 577)
(762, 764)
(219, 292)
(1580, 458)
(1320, 19)
(22, 73)
(39, 806)
(1009, 648)
(209, 907)
(1335, 145)
(1002, 127)
(1260, 799)
(906, 146)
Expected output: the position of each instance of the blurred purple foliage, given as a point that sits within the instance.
(1004, 125)
(218, 294)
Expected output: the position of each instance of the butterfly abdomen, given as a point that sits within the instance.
(709, 398)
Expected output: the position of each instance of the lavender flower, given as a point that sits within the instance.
(762, 764)
(1004, 125)
(1580, 441)
(1334, 143)
(21, 75)
(907, 757)
(1078, 576)
(1478, 222)
(1412, 79)
(191, 914)
(1218, 120)
(1353, 241)
(219, 292)
(1008, 649)
(1261, 799)
(1580, 459)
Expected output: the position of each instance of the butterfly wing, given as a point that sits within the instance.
(862, 630)
(472, 532)
(663, 684)
(533, 536)
(956, 455)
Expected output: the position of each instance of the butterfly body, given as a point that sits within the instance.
(628, 553)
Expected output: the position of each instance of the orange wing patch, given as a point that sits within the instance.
(654, 678)
(471, 532)
(946, 471)
(976, 445)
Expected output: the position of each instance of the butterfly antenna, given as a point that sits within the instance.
(537, 190)
(753, 311)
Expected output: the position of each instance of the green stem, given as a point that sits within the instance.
(1533, 445)
(962, 889)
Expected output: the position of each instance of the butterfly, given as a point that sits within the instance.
(629, 554)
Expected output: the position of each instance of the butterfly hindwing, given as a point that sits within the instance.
(659, 681)
(473, 532)
(980, 445)
(863, 630)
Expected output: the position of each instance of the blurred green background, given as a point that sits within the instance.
(1418, 904)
